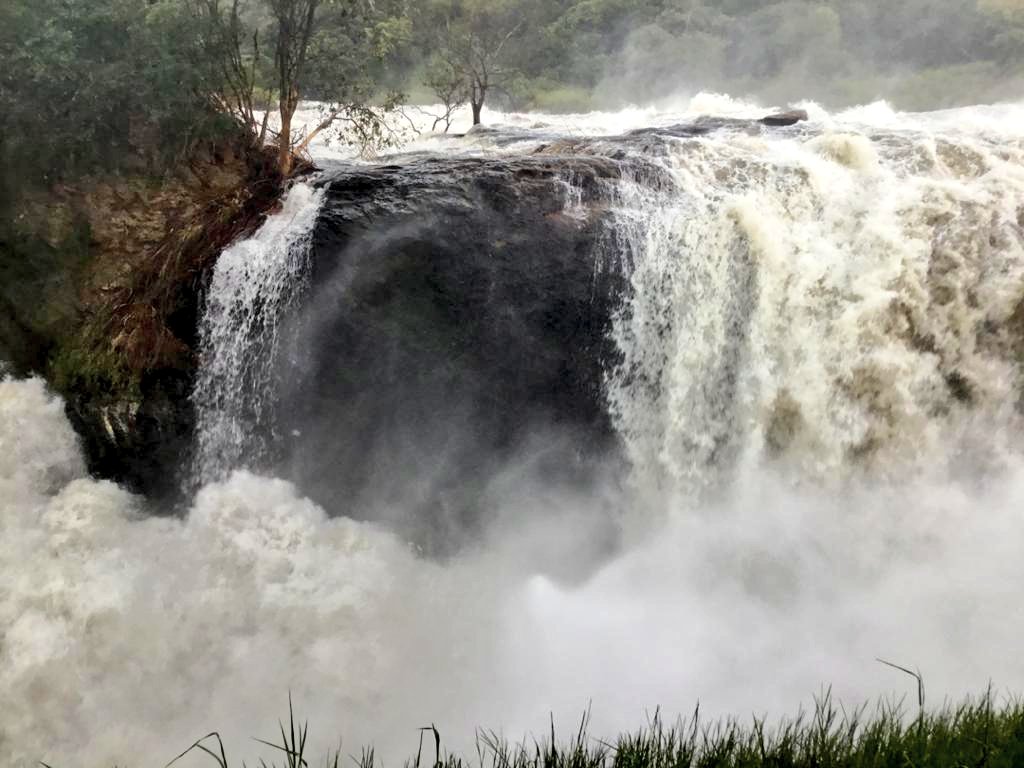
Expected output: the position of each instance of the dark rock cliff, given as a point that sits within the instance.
(459, 309)
(459, 312)
(456, 306)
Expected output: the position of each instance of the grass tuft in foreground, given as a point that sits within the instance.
(979, 733)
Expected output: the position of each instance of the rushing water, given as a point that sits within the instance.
(838, 303)
(253, 284)
(818, 395)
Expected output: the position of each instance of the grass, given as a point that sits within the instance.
(979, 733)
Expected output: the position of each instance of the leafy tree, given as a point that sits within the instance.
(348, 52)
(232, 62)
(449, 85)
(1008, 18)
(327, 50)
(95, 83)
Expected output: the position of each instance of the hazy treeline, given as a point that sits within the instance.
(920, 54)
(87, 83)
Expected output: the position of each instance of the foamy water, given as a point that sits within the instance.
(413, 126)
(835, 302)
(813, 488)
(126, 637)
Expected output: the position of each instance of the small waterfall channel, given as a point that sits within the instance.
(254, 283)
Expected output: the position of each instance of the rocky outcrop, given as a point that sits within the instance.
(100, 294)
(458, 309)
(463, 297)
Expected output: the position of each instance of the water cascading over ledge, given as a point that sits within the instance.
(697, 301)
(396, 335)
(694, 299)
(253, 284)
(833, 304)
(793, 311)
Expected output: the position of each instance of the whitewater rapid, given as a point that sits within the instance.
(818, 395)
(839, 303)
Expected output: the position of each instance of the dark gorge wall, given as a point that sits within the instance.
(458, 315)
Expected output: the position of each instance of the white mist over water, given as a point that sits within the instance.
(810, 493)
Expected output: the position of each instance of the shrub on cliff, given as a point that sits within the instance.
(97, 84)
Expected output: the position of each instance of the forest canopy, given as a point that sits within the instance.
(87, 83)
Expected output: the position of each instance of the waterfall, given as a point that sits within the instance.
(830, 301)
(815, 379)
(830, 304)
(254, 283)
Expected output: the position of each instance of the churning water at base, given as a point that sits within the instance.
(818, 395)
(126, 637)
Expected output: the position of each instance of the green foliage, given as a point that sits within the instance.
(135, 84)
(472, 43)
(109, 85)
(91, 83)
(42, 251)
(86, 363)
(978, 733)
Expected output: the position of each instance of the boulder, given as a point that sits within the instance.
(783, 119)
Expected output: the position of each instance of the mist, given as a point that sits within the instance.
(130, 636)
(920, 55)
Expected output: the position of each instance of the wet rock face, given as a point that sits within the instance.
(458, 309)
(458, 314)
(142, 442)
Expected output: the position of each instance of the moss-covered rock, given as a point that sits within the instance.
(99, 292)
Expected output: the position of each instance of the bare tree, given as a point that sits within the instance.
(473, 50)
(449, 85)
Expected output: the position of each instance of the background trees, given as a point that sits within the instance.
(920, 54)
(576, 55)
(115, 83)
(326, 50)
(88, 83)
